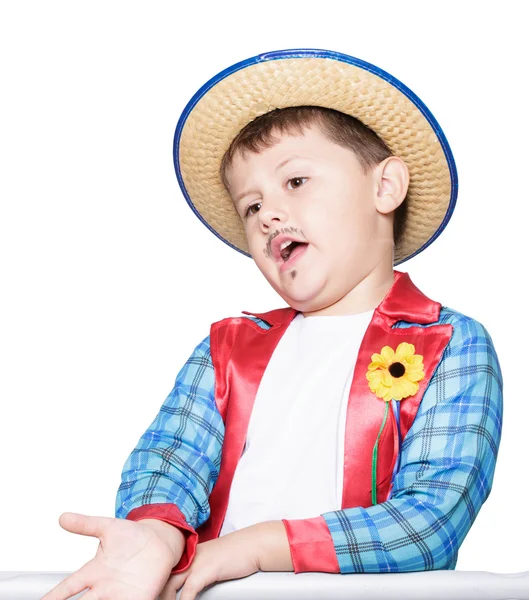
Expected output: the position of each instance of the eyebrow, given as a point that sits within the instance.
(287, 160)
(243, 194)
(279, 166)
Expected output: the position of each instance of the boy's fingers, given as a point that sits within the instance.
(73, 584)
(84, 524)
(174, 583)
(192, 588)
(91, 595)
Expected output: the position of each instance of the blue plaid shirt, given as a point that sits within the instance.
(444, 476)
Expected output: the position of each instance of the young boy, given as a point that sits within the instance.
(355, 431)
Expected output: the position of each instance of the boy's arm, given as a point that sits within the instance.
(447, 467)
(170, 474)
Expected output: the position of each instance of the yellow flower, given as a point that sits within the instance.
(394, 375)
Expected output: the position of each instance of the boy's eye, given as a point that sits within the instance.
(296, 182)
(249, 210)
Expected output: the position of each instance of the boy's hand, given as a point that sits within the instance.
(132, 562)
(231, 556)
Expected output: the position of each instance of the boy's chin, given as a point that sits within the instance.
(302, 295)
(304, 289)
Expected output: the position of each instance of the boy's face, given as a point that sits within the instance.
(308, 188)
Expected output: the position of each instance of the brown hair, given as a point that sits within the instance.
(344, 130)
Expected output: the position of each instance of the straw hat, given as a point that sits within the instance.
(239, 94)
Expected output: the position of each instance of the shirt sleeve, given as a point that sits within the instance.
(448, 459)
(172, 470)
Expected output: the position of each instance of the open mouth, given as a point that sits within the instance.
(289, 250)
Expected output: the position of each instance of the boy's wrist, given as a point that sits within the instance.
(170, 534)
(273, 547)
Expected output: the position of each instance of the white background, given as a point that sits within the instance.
(108, 280)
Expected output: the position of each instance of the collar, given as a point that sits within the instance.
(403, 302)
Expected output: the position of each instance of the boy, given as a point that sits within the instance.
(354, 431)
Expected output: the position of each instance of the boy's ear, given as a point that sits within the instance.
(392, 179)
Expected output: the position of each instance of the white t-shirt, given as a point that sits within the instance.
(292, 463)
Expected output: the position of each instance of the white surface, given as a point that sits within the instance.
(108, 281)
(434, 585)
(303, 396)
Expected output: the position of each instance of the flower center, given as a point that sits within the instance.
(397, 369)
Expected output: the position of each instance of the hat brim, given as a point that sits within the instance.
(307, 77)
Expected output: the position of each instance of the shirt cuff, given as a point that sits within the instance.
(311, 545)
(170, 513)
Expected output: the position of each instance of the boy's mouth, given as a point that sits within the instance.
(284, 247)
(290, 254)
(288, 247)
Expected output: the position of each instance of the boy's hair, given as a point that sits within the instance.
(344, 130)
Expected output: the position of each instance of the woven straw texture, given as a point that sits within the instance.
(242, 96)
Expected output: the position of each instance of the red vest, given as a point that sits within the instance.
(241, 350)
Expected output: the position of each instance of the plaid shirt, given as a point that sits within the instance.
(444, 476)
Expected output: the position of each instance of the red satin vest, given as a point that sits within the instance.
(241, 350)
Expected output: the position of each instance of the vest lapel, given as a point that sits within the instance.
(240, 351)
(365, 410)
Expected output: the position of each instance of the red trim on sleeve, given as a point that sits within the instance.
(311, 545)
(170, 513)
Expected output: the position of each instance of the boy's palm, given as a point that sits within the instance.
(131, 563)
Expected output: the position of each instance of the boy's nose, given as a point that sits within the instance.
(272, 214)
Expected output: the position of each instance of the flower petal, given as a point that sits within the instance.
(405, 351)
(387, 379)
(379, 390)
(395, 391)
(414, 375)
(377, 364)
(414, 367)
(387, 397)
(374, 377)
(388, 354)
(405, 389)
